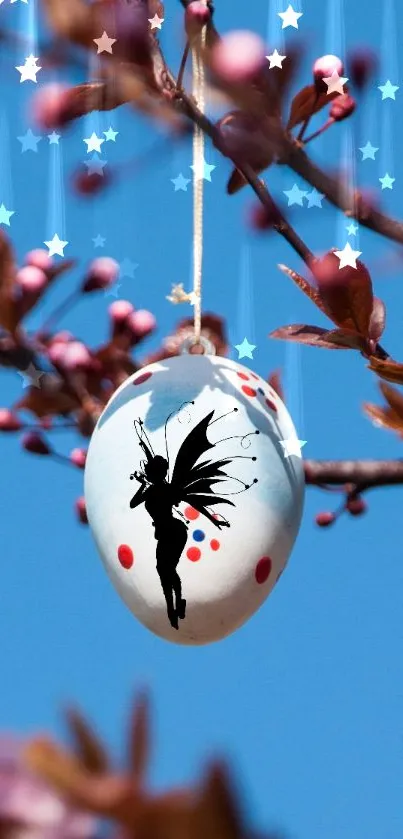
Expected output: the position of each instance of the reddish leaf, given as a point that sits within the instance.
(306, 103)
(384, 417)
(46, 401)
(393, 397)
(392, 371)
(313, 336)
(304, 286)
(139, 741)
(377, 320)
(275, 382)
(346, 293)
(346, 338)
(88, 747)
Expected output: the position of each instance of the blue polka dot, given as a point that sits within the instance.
(260, 390)
(198, 535)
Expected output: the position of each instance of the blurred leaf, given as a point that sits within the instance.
(274, 381)
(313, 336)
(217, 815)
(393, 397)
(304, 286)
(392, 371)
(306, 103)
(44, 402)
(346, 295)
(377, 320)
(88, 747)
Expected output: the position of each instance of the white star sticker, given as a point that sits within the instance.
(56, 246)
(104, 43)
(347, 256)
(292, 446)
(94, 143)
(290, 17)
(156, 22)
(276, 60)
(28, 70)
(335, 83)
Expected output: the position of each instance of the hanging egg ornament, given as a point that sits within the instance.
(191, 498)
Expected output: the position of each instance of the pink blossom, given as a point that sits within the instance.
(238, 56)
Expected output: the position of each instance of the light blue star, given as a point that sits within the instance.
(352, 229)
(127, 268)
(5, 215)
(99, 241)
(180, 183)
(203, 171)
(387, 182)
(388, 90)
(314, 198)
(295, 196)
(245, 349)
(110, 134)
(112, 291)
(54, 138)
(95, 166)
(29, 141)
(368, 151)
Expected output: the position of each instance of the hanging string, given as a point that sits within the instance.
(198, 164)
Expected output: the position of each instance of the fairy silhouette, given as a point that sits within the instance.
(191, 482)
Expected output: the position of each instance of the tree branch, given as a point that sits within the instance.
(361, 474)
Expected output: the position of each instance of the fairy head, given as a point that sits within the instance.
(156, 469)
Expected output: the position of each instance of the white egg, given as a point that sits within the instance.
(192, 501)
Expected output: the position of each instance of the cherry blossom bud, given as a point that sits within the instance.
(78, 457)
(361, 64)
(356, 506)
(238, 56)
(142, 323)
(40, 259)
(325, 519)
(263, 218)
(72, 356)
(31, 280)
(35, 443)
(50, 105)
(120, 310)
(62, 337)
(323, 68)
(91, 183)
(197, 15)
(343, 106)
(102, 273)
(81, 510)
(9, 421)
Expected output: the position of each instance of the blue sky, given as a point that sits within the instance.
(306, 698)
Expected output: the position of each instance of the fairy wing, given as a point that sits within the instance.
(192, 482)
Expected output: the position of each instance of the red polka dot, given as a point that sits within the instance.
(193, 554)
(248, 390)
(191, 513)
(271, 405)
(214, 544)
(243, 376)
(262, 570)
(143, 378)
(125, 556)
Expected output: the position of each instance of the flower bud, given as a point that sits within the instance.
(356, 506)
(120, 310)
(197, 15)
(71, 356)
(102, 273)
(50, 105)
(9, 421)
(30, 279)
(39, 258)
(87, 183)
(142, 323)
(325, 519)
(81, 510)
(362, 64)
(35, 443)
(324, 68)
(262, 217)
(238, 57)
(78, 457)
(343, 106)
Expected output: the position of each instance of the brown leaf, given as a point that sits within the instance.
(88, 747)
(389, 370)
(139, 740)
(346, 338)
(8, 308)
(377, 320)
(216, 814)
(384, 417)
(304, 286)
(306, 103)
(303, 334)
(346, 293)
(393, 397)
(274, 381)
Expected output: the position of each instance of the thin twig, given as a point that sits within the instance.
(362, 474)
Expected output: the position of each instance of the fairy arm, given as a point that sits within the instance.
(217, 522)
(140, 495)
